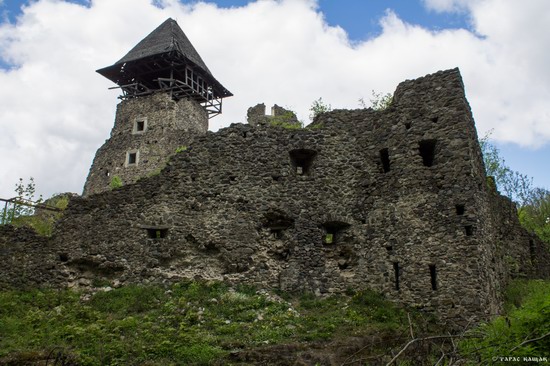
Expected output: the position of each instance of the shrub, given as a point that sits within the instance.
(116, 182)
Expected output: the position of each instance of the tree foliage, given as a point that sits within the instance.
(317, 107)
(535, 214)
(27, 211)
(533, 202)
(19, 206)
(517, 186)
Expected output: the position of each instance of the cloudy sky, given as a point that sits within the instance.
(55, 111)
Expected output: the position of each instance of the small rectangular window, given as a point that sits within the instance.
(140, 125)
(157, 233)
(132, 158)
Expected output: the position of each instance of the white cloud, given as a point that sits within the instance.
(55, 111)
(448, 5)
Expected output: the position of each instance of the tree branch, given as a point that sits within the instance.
(530, 341)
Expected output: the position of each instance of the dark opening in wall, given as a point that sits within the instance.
(333, 231)
(433, 276)
(459, 210)
(302, 160)
(434, 119)
(427, 151)
(157, 233)
(389, 248)
(532, 250)
(396, 273)
(385, 159)
(469, 229)
(63, 257)
(132, 158)
(277, 223)
(408, 125)
(140, 126)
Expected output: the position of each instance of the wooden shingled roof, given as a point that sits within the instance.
(168, 37)
(166, 60)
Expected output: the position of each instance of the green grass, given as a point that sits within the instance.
(187, 324)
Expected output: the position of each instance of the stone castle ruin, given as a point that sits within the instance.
(394, 200)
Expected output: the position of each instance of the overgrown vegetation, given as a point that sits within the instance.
(533, 202)
(42, 221)
(116, 182)
(181, 149)
(25, 210)
(187, 324)
(286, 120)
(523, 331)
(318, 107)
(378, 101)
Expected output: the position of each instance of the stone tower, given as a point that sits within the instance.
(168, 95)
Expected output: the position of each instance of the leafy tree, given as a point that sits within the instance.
(25, 196)
(533, 202)
(318, 107)
(535, 215)
(517, 186)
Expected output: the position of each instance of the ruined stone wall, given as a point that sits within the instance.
(147, 131)
(518, 253)
(393, 200)
(256, 116)
(28, 260)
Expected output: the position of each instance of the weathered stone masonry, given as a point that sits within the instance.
(146, 133)
(392, 200)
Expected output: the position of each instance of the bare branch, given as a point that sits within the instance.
(530, 341)
(420, 340)
(410, 325)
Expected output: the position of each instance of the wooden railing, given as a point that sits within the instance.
(10, 208)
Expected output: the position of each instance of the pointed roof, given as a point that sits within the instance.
(166, 61)
(167, 37)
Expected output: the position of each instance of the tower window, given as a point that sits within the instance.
(385, 159)
(427, 151)
(302, 160)
(469, 229)
(459, 210)
(140, 125)
(132, 158)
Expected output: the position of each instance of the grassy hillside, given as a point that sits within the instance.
(195, 324)
(211, 324)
